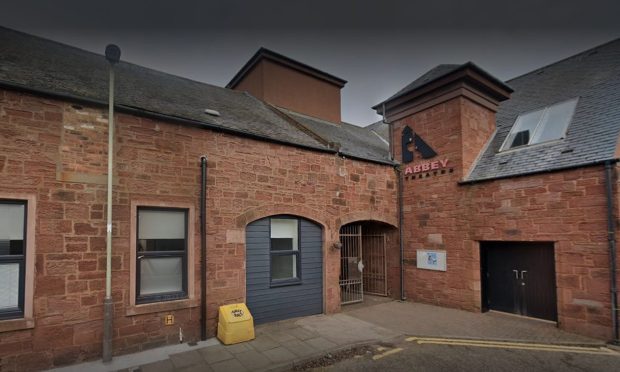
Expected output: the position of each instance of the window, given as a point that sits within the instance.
(12, 258)
(543, 125)
(284, 251)
(161, 255)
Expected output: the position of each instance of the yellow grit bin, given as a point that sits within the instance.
(235, 324)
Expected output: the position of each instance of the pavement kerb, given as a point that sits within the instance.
(290, 364)
(613, 346)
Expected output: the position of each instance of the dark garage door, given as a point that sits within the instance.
(519, 278)
(284, 268)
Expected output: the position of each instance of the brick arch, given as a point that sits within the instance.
(274, 209)
(368, 216)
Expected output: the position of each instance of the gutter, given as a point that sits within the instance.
(375, 161)
(568, 167)
(611, 238)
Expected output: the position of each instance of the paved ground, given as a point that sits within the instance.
(280, 345)
(464, 355)
(277, 345)
(427, 320)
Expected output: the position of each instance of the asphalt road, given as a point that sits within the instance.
(437, 355)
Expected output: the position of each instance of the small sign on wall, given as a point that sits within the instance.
(431, 260)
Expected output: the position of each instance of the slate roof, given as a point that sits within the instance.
(354, 141)
(381, 128)
(35, 64)
(437, 73)
(432, 75)
(594, 77)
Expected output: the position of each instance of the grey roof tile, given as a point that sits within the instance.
(354, 141)
(381, 129)
(43, 65)
(433, 74)
(594, 77)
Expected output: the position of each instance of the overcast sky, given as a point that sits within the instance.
(378, 47)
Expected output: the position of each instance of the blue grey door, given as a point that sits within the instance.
(284, 268)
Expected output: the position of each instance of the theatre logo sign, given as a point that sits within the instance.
(410, 139)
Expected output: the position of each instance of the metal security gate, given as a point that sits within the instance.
(351, 266)
(362, 263)
(373, 250)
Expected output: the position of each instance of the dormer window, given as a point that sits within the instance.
(547, 124)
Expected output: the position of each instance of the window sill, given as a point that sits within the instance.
(533, 145)
(16, 324)
(285, 283)
(157, 307)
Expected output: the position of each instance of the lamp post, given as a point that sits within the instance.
(113, 55)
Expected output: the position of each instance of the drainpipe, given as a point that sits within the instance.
(203, 248)
(611, 238)
(113, 55)
(400, 232)
(385, 121)
(400, 208)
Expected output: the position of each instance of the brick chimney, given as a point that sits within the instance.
(289, 84)
(449, 110)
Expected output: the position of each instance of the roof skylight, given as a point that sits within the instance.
(546, 124)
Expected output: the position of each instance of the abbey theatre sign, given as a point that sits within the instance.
(409, 138)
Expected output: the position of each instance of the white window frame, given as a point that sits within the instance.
(539, 126)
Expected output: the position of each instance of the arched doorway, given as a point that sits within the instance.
(284, 268)
(364, 264)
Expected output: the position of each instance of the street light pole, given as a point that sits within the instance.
(113, 55)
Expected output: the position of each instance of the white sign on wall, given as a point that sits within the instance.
(431, 260)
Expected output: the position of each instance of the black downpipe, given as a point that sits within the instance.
(611, 238)
(203, 248)
(400, 233)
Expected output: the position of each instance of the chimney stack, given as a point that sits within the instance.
(286, 83)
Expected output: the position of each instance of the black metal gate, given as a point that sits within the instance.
(351, 264)
(519, 278)
(363, 266)
(374, 276)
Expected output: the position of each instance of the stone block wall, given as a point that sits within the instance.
(567, 208)
(57, 152)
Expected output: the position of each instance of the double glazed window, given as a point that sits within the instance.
(284, 251)
(161, 254)
(12, 258)
(542, 125)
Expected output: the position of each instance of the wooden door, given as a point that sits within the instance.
(519, 278)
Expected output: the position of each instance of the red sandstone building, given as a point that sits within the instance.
(477, 194)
